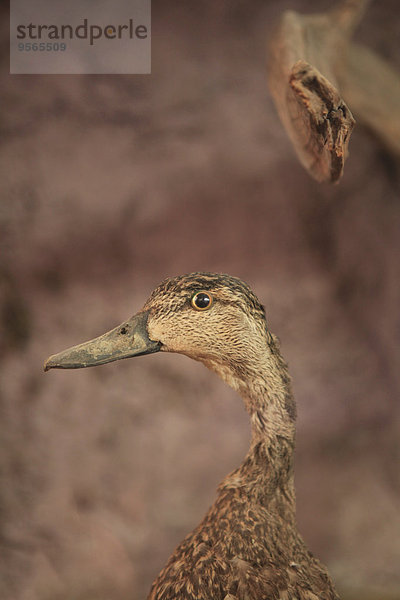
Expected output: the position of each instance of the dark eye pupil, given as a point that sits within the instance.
(202, 300)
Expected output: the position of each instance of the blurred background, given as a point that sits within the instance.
(109, 185)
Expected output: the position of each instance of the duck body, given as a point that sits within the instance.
(247, 547)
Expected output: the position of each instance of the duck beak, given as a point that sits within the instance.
(127, 340)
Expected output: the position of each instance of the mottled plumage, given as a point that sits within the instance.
(247, 547)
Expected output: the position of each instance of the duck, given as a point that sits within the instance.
(247, 547)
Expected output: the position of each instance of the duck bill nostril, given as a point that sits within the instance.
(125, 341)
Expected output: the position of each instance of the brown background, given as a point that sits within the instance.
(110, 184)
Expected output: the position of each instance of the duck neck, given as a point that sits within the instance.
(268, 397)
(266, 391)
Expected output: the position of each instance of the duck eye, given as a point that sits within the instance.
(202, 301)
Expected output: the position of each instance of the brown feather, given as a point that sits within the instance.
(247, 547)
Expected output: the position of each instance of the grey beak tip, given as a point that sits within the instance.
(46, 366)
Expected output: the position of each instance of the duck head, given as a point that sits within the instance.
(215, 319)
